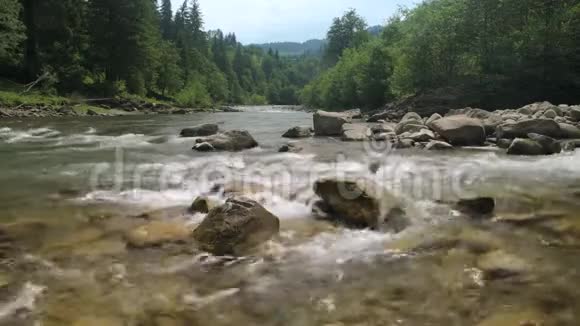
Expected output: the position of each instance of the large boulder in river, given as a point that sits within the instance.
(234, 140)
(200, 131)
(460, 130)
(521, 129)
(356, 203)
(298, 132)
(521, 146)
(235, 227)
(330, 123)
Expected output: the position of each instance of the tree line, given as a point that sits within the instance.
(496, 53)
(141, 47)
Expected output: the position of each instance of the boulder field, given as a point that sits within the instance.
(535, 129)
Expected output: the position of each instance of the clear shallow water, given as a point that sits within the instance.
(76, 185)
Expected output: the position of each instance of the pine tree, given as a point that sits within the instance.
(125, 41)
(166, 20)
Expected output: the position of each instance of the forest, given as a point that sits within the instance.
(107, 48)
(492, 53)
(495, 53)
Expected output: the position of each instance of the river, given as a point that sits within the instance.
(71, 187)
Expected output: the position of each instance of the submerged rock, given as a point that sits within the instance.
(157, 233)
(204, 147)
(550, 145)
(200, 131)
(476, 207)
(234, 140)
(499, 264)
(460, 130)
(356, 203)
(526, 147)
(435, 145)
(290, 148)
(202, 205)
(233, 228)
(330, 123)
(298, 132)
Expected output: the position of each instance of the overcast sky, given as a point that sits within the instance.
(260, 21)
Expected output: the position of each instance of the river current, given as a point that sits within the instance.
(71, 187)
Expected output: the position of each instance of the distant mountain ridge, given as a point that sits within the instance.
(313, 47)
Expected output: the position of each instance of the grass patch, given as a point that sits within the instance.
(82, 109)
(14, 99)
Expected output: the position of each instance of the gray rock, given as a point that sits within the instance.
(200, 131)
(522, 146)
(409, 126)
(204, 147)
(423, 135)
(504, 143)
(550, 114)
(478, 114)
(404, 143)
(355, 132)
(202, 205)
(435, 145)
(550, 145)
(412, 116)
(574, 113)
(290, 148)
(330, 123)
(525, 111)
(356, 203)
(460, 130)
(521, 129)
(236, 227)
(382, 128)
(298, 132)
(433, 118)
(569, 131)
(491, 122)
(234, 140)
(386, 136)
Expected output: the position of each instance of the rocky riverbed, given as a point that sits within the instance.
(199, 220)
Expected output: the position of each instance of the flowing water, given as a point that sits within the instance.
(72, 187)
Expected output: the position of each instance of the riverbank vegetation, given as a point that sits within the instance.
(492, 53)
(103, 48)
(485, 53)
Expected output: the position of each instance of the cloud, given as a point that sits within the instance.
(257, 21)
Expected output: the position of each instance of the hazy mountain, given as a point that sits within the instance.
(313, 47)
(375, 30)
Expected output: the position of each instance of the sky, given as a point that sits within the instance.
(262, 21)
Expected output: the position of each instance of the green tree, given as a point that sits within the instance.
(12, 32)
(348, 31)
(166, 20)
(125, 42)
